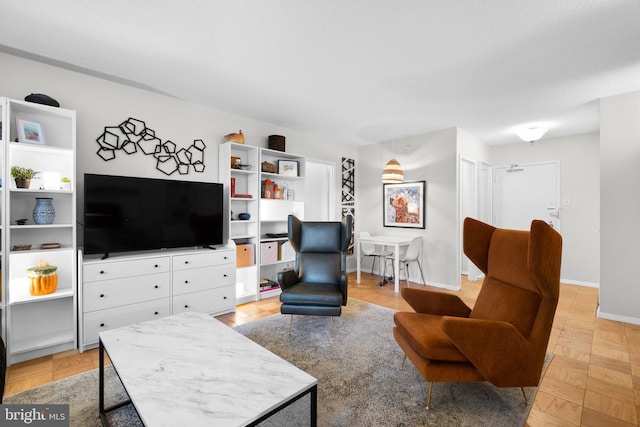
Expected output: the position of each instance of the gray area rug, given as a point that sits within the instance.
(359, 380)
(81, 393)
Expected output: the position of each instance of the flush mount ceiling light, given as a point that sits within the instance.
(392, 173)
(532, 134)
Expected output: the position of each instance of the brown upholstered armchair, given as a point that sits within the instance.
(504, 338)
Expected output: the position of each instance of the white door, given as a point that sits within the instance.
(485, 192)
(468, 208)
(319, 191)
(526, 192)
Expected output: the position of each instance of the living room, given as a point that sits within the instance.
(598, 226)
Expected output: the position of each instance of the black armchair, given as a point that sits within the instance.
(318, 284)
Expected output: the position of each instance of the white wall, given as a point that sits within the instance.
(579, 158)
(101, 103)
(620, 207)
(432, 158)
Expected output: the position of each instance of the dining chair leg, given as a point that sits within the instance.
(404, 359)
(333, 333)
(290, 324)
(422, 275)
(526, 401)
(393, 266)
(406, 273)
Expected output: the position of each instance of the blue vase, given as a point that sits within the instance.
(44, 213)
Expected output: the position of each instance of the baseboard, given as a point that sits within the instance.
(444, 286)
(617, 317)
(580, 283)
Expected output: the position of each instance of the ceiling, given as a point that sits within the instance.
(356, 71)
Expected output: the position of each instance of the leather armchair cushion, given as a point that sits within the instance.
(424, 335)
(310, 294)
(320, 267)
(321, 237)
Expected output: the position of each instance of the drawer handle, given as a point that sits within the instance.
(227, 257)
(186, 281)
(156, 266)
(156, 286)
(186, 262)
(102, 325)
(224, 297)
(224, 275)
(156, 313)
(101, 271)
(186, 306)
(101, 295)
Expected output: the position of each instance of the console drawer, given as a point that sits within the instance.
(183, 262)
(103, 320)
(107, 270)
(209, 301)
(199, 279)
(112, 293)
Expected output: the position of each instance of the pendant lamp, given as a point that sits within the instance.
(392, 173)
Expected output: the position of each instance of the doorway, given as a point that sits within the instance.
(475, 197)
(468, 203)
(526, 192)
(319, 191)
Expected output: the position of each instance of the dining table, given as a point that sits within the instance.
(396, 242)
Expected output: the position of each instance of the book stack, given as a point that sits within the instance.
(268, 285)
(232, 190)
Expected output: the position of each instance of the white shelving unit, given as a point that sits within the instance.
(244, 232)
(4, 132)
(274, 214)
(268, 216)
(38, 325)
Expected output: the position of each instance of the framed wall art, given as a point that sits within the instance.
(288, 167)
(30, 132)
(404, 204)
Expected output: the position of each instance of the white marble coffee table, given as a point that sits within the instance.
(192, 370)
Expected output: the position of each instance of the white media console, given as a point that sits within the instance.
(131, 288)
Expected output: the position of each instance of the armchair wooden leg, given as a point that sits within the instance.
(290, 324)
(428, 407)
(526, 401)
(404, 359)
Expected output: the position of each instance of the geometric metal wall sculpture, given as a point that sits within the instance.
(348, 181)
(349, 197)
(133, 134)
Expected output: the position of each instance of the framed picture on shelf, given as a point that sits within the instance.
(404, 204)
(30, 132)
(288, 167)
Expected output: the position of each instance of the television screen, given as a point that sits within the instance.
(123, 214)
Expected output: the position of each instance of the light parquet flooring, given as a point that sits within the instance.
(593, 380)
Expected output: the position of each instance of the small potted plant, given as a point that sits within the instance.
(22, 176)
(65, 183)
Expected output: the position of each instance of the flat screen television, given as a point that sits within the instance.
(125, 214)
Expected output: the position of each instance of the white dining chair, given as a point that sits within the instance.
(370, 250)
(411, 255)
